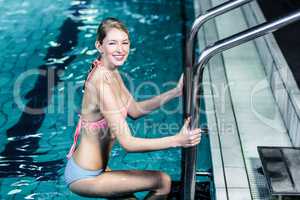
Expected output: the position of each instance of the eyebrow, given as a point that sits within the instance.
(117, 40)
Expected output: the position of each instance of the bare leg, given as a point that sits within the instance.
(119, 183)
(153, 196)
(125, 197)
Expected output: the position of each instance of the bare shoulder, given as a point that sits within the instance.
(102, 77)
(99, 80)
(104, 82)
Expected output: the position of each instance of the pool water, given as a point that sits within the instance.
(45, 52)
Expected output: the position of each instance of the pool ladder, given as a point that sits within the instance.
(193, 76)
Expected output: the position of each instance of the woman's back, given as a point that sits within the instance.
(96, 140)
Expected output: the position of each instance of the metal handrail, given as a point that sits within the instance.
(238, 39)
(201, 19)
(189, 155)
(229, 43)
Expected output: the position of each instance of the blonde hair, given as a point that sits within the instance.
(108, 24)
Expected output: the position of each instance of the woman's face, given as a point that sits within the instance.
(114, 47)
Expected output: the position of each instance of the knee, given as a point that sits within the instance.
(165, 183)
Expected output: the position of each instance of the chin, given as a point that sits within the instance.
(118, 63)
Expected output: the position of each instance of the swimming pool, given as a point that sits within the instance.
(45, 52)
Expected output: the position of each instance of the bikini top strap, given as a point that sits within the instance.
(96, 63)
(75, 138)
(124, 111)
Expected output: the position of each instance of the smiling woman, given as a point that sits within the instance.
(45, 58)
(113, 41)
(106, 103)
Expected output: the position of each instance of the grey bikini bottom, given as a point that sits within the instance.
(73, 172)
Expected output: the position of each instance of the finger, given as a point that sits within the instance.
(190, 145)
(196, 131)
(181, 81)
(187, 121)
(194, 137)
(181, 76)
(196, 141)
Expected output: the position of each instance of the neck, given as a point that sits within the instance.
(107, 65)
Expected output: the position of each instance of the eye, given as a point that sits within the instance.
(111, 43)
(126, 43)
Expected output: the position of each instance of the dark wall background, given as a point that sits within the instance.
(288, 37)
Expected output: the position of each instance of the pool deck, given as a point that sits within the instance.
(242, 112)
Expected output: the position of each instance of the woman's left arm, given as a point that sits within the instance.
(138, 109)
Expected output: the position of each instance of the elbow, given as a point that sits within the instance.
(137, 111)
(134, 115)
(128, 148)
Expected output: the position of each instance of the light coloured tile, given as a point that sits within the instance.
(236, 177)
(239, 194)
(233, 157)
(221, 193)
(219, 176)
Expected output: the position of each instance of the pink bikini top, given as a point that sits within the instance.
(102, 123)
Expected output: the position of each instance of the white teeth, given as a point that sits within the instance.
(119, 57)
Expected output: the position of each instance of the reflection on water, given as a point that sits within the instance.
(17, 159)
(32, 156)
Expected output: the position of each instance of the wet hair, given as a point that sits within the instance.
(106, 25)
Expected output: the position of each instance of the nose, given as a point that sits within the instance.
(119, 47)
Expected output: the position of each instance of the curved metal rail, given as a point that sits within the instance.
(189, 155)
(201, 19)
(235, 40)
(204, 57)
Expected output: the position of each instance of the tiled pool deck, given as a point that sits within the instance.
(243, 111)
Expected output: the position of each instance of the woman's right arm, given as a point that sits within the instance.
(119, 127)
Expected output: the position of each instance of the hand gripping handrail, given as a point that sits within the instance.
(189, 155)
(226, 44)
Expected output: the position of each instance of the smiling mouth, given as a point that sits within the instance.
(119, 57)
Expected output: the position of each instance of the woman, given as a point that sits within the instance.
(106, 103)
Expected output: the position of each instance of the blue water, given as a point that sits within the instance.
(45, 52)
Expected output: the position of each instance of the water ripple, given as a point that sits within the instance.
(16, 12)
(88, 35)
(30, 167)
(54, 44)
(66, 77)
(21, 183)
(46, 195)
(88, 11)
(87, 27)
(75, 3)
(17, 138)
(77, 51)
(135, 69)
(15, 191)
(91, 52)
(52, 61)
